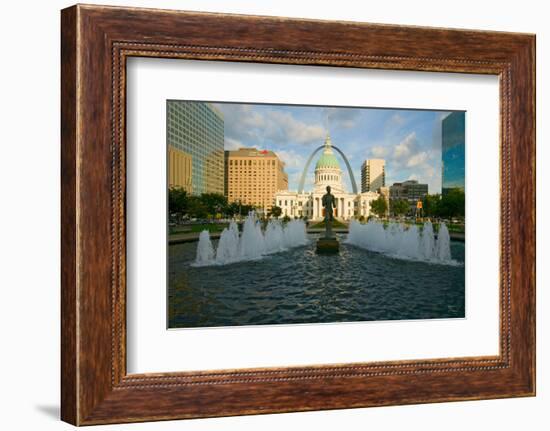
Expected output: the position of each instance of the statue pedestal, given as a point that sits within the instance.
(328, 244)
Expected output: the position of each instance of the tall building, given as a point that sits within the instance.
(453, 151)
(180, 169)
(373, 175)
(411, 191)
(327, 173)
(254, 176)
(197, 129)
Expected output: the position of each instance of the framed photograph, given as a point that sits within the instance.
(263, 214)
(287, 229)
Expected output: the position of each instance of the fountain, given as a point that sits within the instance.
(443, 246)
(205, 251)
(228, 246)
(404, 243)
(252, 244)
(275, 236)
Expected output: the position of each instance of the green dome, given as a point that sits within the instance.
(327, 160)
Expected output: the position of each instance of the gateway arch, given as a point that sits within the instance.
(306, 167)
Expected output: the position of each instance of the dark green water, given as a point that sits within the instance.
(299, 286)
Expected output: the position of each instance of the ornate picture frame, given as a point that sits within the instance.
(96, 41)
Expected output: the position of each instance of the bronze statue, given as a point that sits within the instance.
(329, 202)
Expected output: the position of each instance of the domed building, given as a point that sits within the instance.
(327, 173)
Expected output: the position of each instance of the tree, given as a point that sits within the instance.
(178, 201)
(196, 208)
(379, 206)
(275, 211)
(232, 209)
(399, 207)
(214, 203)
(238, 208)
(430, 205)
(452, 204)
(245, 209)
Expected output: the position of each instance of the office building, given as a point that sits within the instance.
(411, 191)
(197, 129)
(453, 151)
(254, 177)
(180, 169)
(373, 175)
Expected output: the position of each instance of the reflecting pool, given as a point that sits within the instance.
(300, 286)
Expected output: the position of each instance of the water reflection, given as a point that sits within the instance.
(296, 287)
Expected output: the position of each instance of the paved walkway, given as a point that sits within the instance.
(180, 238)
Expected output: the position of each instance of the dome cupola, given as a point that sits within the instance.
(327, 159)
(327, 170)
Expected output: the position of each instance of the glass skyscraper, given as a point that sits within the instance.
(453, 151)
(197, 129)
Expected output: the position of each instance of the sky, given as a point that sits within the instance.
(408, 140)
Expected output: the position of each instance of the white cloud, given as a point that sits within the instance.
(241, 122)
(410, 160)
(284, 127)
(417, 159)
(347, 124)
(232, 144)
(291, 158)
(405, 147)
(379, 151)
(247, 123)
(396, 120)
(295, 135)
(341, 118)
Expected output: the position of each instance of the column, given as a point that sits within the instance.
(315, 208)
